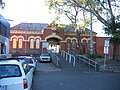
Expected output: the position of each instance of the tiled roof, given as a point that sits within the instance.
(71, 29)
(30, 26)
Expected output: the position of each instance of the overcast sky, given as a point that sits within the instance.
(33, 11)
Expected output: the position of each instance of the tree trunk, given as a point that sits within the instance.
(79, 41)
(116, 51)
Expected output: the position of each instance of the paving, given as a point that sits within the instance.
(79, 66)
(67, 77)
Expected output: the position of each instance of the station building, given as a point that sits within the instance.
(27, 38)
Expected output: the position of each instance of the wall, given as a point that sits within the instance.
(100, 46)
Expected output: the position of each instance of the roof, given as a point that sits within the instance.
(30, 26)
(72, 30)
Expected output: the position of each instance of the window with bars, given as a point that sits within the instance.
(37, 43)
(73, 44)
(20, 43)
(14, 43)
(31, 43)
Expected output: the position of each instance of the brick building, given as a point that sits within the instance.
(27, 38)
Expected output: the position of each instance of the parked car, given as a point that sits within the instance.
(29, 60)
(15, 74)
(45, 57)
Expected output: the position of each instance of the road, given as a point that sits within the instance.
(67, 77)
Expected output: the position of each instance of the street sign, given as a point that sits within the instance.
(106, 44)
(106, 50)
(45, 44)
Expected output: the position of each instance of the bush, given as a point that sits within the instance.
(93, 56)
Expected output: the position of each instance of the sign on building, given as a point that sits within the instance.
(45, 44)
(106, 44)
(106, 47)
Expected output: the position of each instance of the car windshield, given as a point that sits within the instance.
(45, 54)
(28, 60)
(9, 71)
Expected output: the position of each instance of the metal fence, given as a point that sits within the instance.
(55, 59)
(86, 60)
(68, 57)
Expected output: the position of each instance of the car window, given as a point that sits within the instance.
(28, 60)
(10, 71)
(45, 54)
(26, 68)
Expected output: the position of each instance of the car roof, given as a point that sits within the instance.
(10, 61)
(24, 57)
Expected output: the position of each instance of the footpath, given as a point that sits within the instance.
(79, 66)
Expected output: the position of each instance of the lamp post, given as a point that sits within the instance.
(2, 4)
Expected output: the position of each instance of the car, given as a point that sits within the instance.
(15, 74)
(45, 57)
(29, 60)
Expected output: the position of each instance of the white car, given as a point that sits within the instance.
(29, 60)
(45, 57)
(15, 75)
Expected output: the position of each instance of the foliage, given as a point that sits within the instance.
(94, 56)
(107, 12)
(114, 29)
(70, 11)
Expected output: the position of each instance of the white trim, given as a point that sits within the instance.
(38, 37)
(68, 38)
(14, 36)
(31, 37)
(21, 37)
(84, 39)
(53, 35)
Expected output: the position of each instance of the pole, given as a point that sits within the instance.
(91, 34)
(104, 62)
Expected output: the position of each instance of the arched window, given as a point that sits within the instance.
(68, 43)
(14, 43)
(31, 43)
(20, 43)
(73, 44)
(88, 43)
(37, 43)
(84, 41)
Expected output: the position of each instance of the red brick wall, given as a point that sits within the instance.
(100, 46)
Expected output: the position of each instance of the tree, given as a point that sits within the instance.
(2, 4)
(69, 9)
(108, 13)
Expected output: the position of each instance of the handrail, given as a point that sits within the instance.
(86, 60)
(55, 59)
(68, 57)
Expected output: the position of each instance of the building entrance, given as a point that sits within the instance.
(54, 44)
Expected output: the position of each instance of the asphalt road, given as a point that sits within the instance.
(67, 77)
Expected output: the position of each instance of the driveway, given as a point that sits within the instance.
(67, 77)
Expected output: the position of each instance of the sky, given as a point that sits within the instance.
(33, 11)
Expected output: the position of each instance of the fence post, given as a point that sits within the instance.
(66, 56)
(74, 61)
(70, 59)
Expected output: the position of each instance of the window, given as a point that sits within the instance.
(37, 43)
(68, 43)
(73, 44)
(9, 71)
(20, 43)
(14, 43)
(31, 43)
(26, 68)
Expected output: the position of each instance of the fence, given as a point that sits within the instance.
(55, 59)
(86, 60)
(68, 57)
